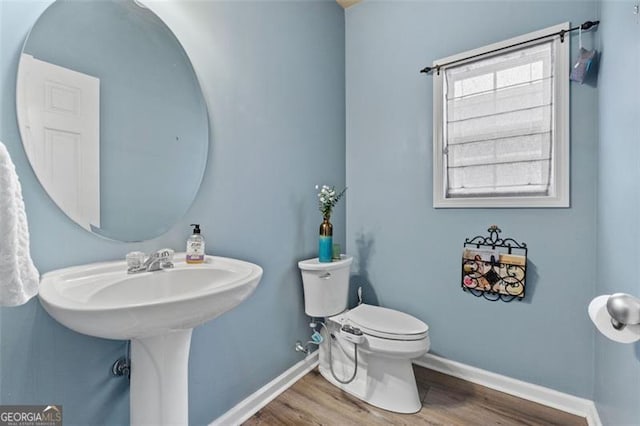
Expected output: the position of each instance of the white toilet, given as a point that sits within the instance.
(386, 340)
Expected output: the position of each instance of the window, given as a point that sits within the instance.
(501, 130)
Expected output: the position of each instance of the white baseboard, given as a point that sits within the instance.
(545, 396)
(254, 402)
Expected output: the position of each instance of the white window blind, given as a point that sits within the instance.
(498, 124)
(501, 124)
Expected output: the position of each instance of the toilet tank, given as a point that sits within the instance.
(326, 286)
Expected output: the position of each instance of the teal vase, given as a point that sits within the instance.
(325, 241)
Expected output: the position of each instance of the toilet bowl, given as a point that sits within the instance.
(385, 376)
(389, 340)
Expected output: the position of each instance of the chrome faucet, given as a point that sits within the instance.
(158, 260)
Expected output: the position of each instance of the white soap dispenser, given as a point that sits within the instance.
(195, 246)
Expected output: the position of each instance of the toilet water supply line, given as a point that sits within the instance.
(355, 352)
(352, 334)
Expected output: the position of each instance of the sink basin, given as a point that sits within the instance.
(102, 300)
(157, 312)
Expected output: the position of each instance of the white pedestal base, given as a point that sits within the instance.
(159, 379)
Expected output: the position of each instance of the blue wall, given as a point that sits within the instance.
(617, 372)
(273, 78)
(410, 251)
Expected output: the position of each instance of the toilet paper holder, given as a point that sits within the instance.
(624, 310)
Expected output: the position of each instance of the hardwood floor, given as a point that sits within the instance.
(446, 400)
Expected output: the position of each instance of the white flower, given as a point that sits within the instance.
(327, 198)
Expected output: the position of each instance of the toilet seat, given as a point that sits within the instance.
(386, 323)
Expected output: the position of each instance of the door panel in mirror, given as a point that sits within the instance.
(60, 115)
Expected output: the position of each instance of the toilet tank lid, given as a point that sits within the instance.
(386, 320)
(315, 265)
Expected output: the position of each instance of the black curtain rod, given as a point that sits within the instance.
(585, 26)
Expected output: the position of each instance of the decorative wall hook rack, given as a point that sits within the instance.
(493, 267)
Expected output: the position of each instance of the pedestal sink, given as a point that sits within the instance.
(157, 312)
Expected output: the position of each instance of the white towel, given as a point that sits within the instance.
(19, 277)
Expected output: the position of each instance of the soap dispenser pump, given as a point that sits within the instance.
(195, 246)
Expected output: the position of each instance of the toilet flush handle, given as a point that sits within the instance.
(325, 276)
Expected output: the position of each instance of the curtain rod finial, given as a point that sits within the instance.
(589, 24)
(426, 70)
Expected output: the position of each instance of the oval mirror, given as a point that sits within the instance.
(112, 117)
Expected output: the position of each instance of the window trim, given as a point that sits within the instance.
(559, 196)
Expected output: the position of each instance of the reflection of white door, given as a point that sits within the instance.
(59, 114)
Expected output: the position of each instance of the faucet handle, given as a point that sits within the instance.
(135, 260)
(164, 253)
(167, 258)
